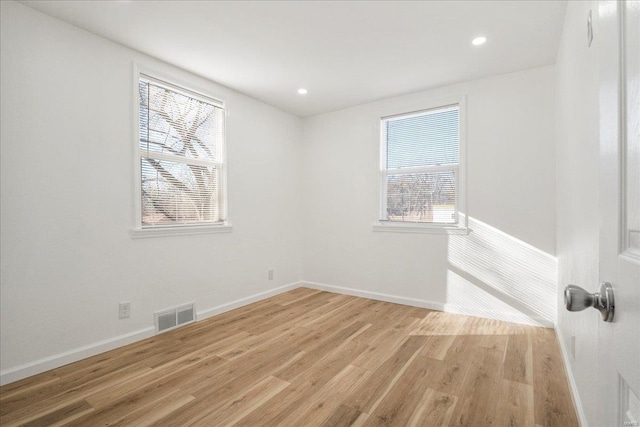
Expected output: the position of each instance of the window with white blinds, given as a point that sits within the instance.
(420, 167)
(181, 155)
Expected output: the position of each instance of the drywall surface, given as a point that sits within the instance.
(303, 197)
(577, 194)
(68, 197)
(505, 268)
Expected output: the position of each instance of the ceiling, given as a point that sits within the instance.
(345, 53)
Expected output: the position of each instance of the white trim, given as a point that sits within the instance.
(432, 305)
(148, 154)
(55, 361)
(173, 78)
(422, 106)
(175, 230)
(374, 295)
(411, 114)
(199, 95)
(626, 250)
(414, 227)
(575, 396)
(245, 301)
(622, 130)
(422, 169)
(135, 144)
(463, 213)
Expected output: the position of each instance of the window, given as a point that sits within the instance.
(420, 169)
(181, 156)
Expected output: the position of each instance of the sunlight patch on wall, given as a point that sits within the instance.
(466, 298)
(493, 272)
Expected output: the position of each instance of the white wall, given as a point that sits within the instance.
(303, 196)
(577, 194)
(67, 199)
(504, 267)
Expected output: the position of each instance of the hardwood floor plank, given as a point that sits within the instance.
(387, 317)
(490, 332)
(244, 403)
(311, 358)
(367, 397)
(440, 323)
(384, 345)
(283, 335)
(343, 416)
(323, 348)
(477, 401)
(151, 413)
(515, 404)
(328, 398)
(304, 386)
(384, 313)
(59, 387)
(213, 391)
(273, 328)
(456, 362)
(344, 314)
(552, 402)
(438, 346)
(417, 312)
(28, 385)
(219, 344)
(130, 403)
(407, 394)
(336, 304)
(292, 297)
(435, 410)
(161, 377)
(518, 360)
(29, 409)
(293, 312)
(181, 378)
(63, 415)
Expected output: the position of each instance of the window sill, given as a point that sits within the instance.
(416, 228)
(180, 230)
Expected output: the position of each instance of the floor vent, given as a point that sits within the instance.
(173, 317)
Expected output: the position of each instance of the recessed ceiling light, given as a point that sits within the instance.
(302, 91)
(479, 40)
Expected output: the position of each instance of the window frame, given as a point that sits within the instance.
(180, 85)
(461, 224)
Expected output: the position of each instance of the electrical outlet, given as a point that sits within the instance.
(125, 310)
(270, 275)
(573, 346)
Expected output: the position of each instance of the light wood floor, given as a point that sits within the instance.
(311, 358)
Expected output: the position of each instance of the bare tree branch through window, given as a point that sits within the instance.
(181, 143)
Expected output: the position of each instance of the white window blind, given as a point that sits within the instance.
(419, 168)
(182, 136)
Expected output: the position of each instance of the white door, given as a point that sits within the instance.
(619, 341)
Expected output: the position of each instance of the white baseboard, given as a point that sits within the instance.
(51, 362)
(432, 305)
(55, 361)
(373, 295)
(577, 403)
(245, 301)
